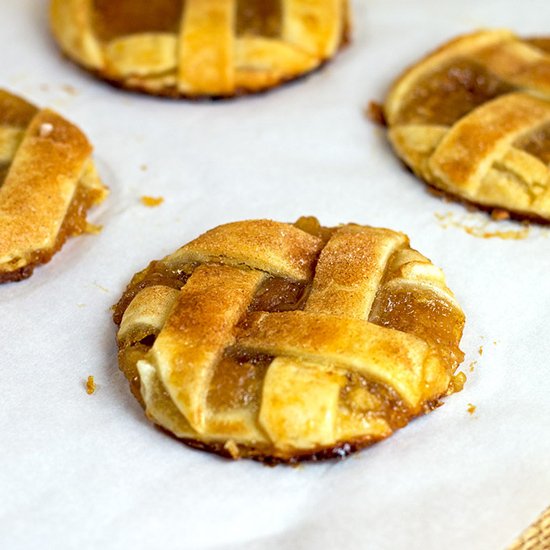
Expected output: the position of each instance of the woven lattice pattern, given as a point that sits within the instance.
(47, 183)
(473, 119)
(267, 339)
(537, 536)
(200, 47)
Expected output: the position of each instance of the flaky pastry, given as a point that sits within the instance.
(285, 342)
(473, 120)
(194, 48)
(47, 183)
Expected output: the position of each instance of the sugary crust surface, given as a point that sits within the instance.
(473, 120)
(47, 183)
(284, 342)
(200, 48)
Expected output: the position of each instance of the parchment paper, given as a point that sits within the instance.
(89, 471)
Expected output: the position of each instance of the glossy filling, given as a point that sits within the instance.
(237, 382)
(116, 18)
(74, 224)
(259, 18)
(365, 398)
(425, 315)
(446, 95)
(536, 143)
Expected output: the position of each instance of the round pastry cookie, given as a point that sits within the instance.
(472, 119)
(47, 184)
(200, 48)
(284, 342)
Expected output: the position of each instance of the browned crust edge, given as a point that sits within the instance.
(337, 452)
(516, 215)
(174, 94)
(374, 112)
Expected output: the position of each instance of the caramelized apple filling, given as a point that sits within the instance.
(278, 294)
(425, 315)
(366, 398)
(73, 225)
(237, 382)
(259, 17)
(536, 143)
(113, 19)
(157, 273)
(448, 94)
(127, 360)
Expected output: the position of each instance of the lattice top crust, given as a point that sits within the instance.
(280, 342)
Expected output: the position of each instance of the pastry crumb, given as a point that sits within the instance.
(232, 448)
(375, 113)
(71, 90)
(472, 366)
(90, 385)
(144, 167)
(102, 288)
(481, 229)
(457, 382)
(471, 408)
(45, 129)
(93, 229)
(480, 351)
(151, 202)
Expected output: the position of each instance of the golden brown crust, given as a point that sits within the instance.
(218, 49)
(284, 342)
(473, 120)
(48, 184)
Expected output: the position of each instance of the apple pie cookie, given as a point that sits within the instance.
(284, 342)
(47, 184)
(194, 48)
(473, 120)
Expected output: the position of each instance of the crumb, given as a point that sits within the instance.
(102, 288)
(375, 113)
(90, 385)
(71, 90)
(232, 448)
(93, 229)
(457, 382)
(480, 351)
(144, 168)
(471, 408)
(472, 366)
(81, 305)
(498, 214)
(45, 129)
(151, 202)
(480, 230)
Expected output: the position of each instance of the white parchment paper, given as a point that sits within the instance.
(89, 472)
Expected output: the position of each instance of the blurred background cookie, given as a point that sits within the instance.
(200, 48)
